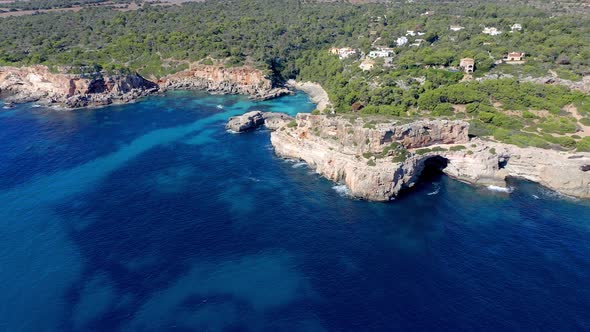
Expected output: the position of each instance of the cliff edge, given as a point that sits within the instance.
(243, 80)
(377, 161)
(36, 83)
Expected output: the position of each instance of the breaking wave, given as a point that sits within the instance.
(342, 190)
(500, 189)
(299, 164)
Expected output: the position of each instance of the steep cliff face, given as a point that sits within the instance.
(360, 153)
(38, 83)
(218, 79)
(378, 160)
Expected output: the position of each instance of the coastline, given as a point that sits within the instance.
(38, 83)
(341, 158)
(316, 93)
(379, 163)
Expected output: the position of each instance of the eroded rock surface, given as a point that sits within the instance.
(39, 83)
(378, 160)
(218, 79)
(255, 119)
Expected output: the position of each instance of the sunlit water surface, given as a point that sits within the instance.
(151, 217)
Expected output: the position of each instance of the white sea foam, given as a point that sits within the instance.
(253, 179)
(536, 197)
(434, 192)
(220, 107)
(501, 189)
(299, 164)
(6, 107)
(342, 190)
(554, 194)
(36, 106)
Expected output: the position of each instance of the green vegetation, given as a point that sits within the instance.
(583, 145)
(428, 150)
(48, 4)
(292, 124)
(395, 150)
(290, 39)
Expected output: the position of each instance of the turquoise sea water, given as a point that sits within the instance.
(151, 217)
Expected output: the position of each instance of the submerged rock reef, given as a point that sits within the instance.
(38, 83)
(377, 160)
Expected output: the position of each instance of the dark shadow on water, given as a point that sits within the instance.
(431, 174)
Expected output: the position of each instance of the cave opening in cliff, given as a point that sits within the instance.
(431, 174)
(503, 162)
(433, 168)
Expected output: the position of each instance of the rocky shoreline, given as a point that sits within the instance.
(39, 84)
(316, 93)
(378, 161)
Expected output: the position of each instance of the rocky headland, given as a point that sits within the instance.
(38, 83)
(218, 79)
(377, 160)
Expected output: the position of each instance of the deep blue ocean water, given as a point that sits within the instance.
(151, 217)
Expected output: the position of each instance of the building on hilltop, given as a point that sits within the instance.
(468, 65)
(367, 64)
(514, 56)
(344, 52)
(456, 28)
(417, 42)
(381, 52)
(401, 41)
(516, 27)
(491, 31)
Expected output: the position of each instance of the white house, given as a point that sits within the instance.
(417, 42)
(410, 33)
(516, 27)
(401, 41)
(344, 52)
(382, 52)
(456, 28)
(491, 31)
(367, 64)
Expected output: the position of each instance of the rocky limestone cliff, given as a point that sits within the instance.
(491, 163)
(218, 79)
(255, 119)
(39, 83)
(378, 160)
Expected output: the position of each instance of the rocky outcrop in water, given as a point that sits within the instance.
(218, 79)
(39, 83)
(377, 161)
(255, 119)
